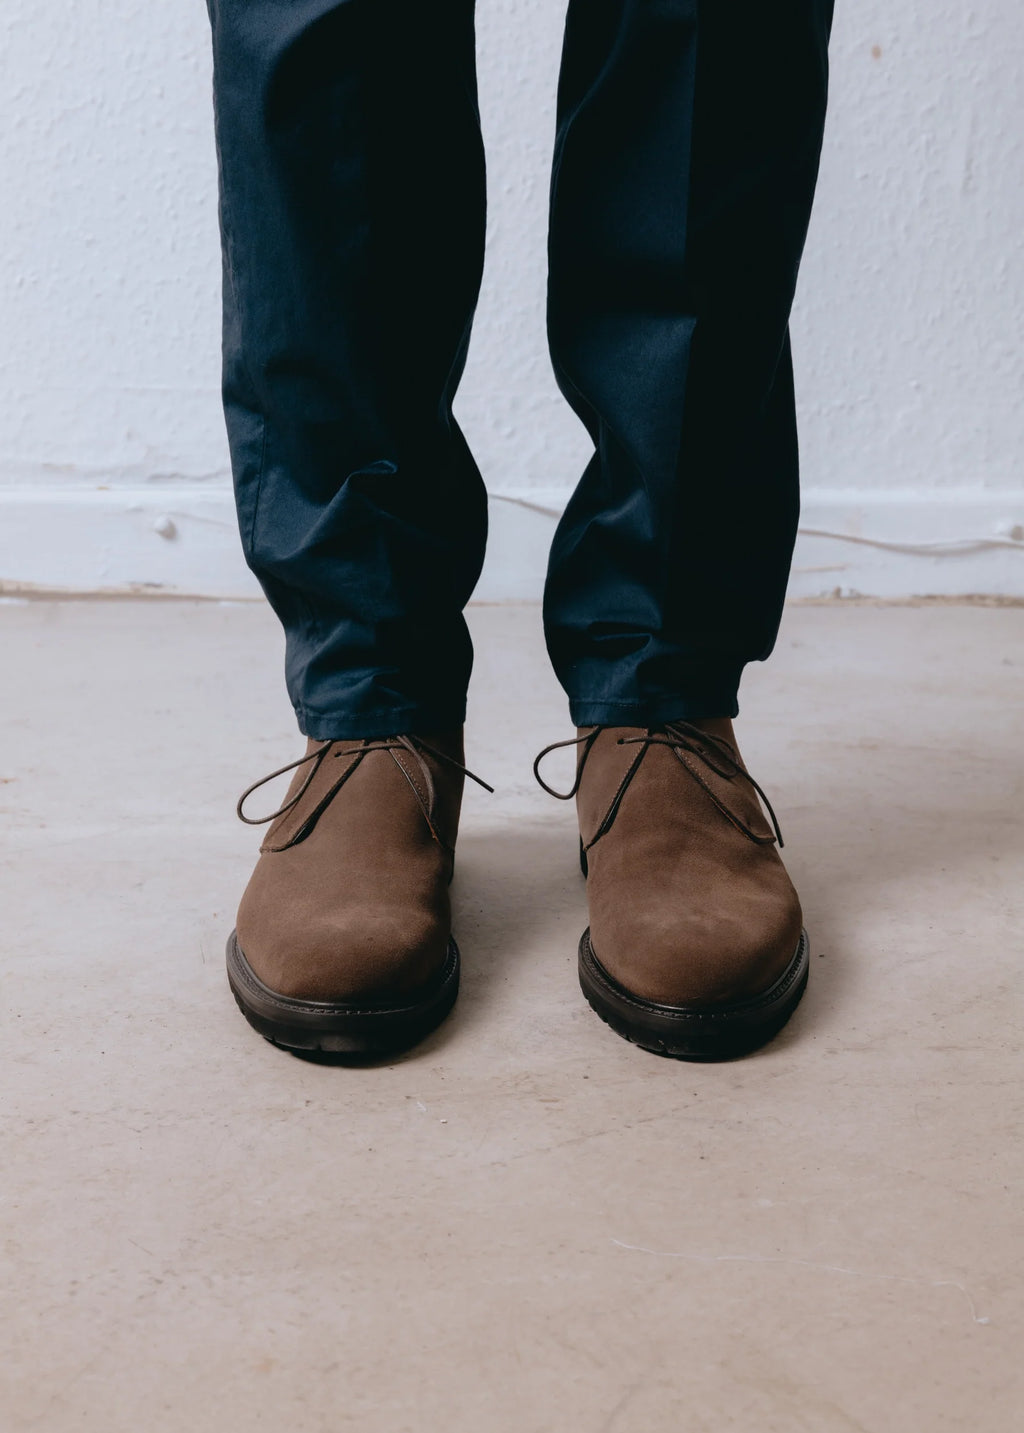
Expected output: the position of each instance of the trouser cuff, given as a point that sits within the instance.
(656, 711)
(356, 725)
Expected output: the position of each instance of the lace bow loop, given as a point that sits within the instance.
(685, 740)
(401, 745)
(314, 756)
(586, 742)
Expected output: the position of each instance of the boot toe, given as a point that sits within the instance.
(692, 961)
(366, 955)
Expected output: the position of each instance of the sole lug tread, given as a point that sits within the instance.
(728, 1034)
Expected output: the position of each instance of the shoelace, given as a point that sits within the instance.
(681, 738)
(414, 746)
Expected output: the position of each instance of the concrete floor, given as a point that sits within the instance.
(527, 1224)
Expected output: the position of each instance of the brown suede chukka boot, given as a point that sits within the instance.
(343, 943)
(696, 947)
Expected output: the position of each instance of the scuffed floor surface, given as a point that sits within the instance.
(526, 1225)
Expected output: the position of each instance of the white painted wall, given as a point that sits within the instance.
(910, 365)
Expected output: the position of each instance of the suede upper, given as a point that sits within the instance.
(686, 908)
(349, 899)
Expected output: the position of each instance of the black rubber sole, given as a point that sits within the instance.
(723, 1033)
(317, 1029)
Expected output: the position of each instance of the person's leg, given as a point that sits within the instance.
(352, 209)
(689, 133)
(352, 212)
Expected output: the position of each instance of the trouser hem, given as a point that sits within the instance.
(354, 725)
(655, 711)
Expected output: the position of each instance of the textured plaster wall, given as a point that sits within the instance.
(108, 265)
(911, 313)
(910, 366)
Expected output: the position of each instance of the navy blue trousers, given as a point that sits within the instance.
(352, 217)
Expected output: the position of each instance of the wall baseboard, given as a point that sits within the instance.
(181, 539)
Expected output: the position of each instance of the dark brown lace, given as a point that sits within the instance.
(683, 739)
(413, 745)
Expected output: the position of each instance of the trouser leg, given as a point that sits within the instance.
(352, 216)
(689, 133)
